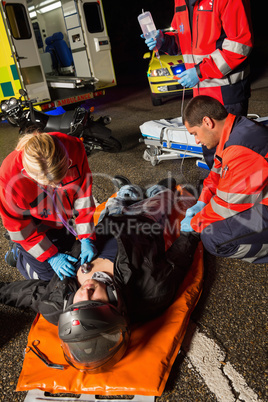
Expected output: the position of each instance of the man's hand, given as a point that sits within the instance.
(190, 213)
(186, 224)
(188, 78)
(155, 43)
(88, 250)
(61, 264)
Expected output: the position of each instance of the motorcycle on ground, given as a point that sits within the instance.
(78, 123)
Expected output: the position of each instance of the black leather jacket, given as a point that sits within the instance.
(147, 277)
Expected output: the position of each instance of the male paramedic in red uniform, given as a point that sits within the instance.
(232, 211)
(214, 37)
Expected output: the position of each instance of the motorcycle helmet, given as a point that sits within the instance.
(94, 335)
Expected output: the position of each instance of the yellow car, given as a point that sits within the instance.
(161, 76)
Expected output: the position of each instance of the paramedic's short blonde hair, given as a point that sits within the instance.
(45, 158)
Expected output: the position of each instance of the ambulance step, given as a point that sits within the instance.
(69, 82)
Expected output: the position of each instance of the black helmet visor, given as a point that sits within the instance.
(94, 335)
(96, 354)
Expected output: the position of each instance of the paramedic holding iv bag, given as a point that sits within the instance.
(215, 39)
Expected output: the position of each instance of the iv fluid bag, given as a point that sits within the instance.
(147, 25)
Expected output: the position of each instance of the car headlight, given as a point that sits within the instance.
(160, 72)
(163, 88)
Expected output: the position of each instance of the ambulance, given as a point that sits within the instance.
(59, 52)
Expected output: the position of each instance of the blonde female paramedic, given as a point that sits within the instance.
(45, 187)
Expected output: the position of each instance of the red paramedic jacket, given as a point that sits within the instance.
(28, 212)
(239, 177)
(215, 36)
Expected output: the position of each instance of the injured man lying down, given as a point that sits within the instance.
(131, 279)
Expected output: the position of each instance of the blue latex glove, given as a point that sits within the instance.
(88, 250)
(190, 213)
(195, 208)
(61, 264)
(188, 78)
(155, 43)
(186, 224)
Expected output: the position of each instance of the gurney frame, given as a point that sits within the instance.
(36, 395)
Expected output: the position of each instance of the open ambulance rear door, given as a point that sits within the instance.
(97, 42)
(25, 49)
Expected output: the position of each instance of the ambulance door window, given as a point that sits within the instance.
(18, 21)
(93, 17)
(38, 35)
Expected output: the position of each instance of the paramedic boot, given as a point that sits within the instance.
(182, 251)
(11, 255)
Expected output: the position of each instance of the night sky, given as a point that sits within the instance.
(124, 30)
(128, 48)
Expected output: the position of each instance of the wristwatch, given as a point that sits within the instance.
(198, 72)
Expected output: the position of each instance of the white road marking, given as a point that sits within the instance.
(239, 384)
(208, 359)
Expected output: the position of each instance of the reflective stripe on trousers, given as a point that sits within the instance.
(243, 236)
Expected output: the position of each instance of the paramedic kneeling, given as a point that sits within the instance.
(44, 184)
(132, 279)
(232, 211)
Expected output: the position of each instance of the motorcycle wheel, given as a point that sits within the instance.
(107, 145)
(12, 122)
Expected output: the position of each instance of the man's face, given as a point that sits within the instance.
(204, 134)
(91, 290)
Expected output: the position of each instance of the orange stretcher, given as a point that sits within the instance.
(153, 347)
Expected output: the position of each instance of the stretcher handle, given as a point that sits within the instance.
(41, 355)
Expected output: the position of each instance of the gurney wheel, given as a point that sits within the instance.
(150, 155)
(154, 161)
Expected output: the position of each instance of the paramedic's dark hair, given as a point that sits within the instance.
(202, 106)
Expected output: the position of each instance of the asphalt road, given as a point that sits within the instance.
(223, 357)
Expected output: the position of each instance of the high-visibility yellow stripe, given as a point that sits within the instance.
(9, 77)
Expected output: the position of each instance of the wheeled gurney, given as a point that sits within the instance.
(154, 345)
(168, 139)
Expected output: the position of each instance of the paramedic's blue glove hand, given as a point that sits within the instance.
(88, 250)
(62, 264)
(155, 43)
(188, 78)
(186, 224)
(190, 213)
(195, 209)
